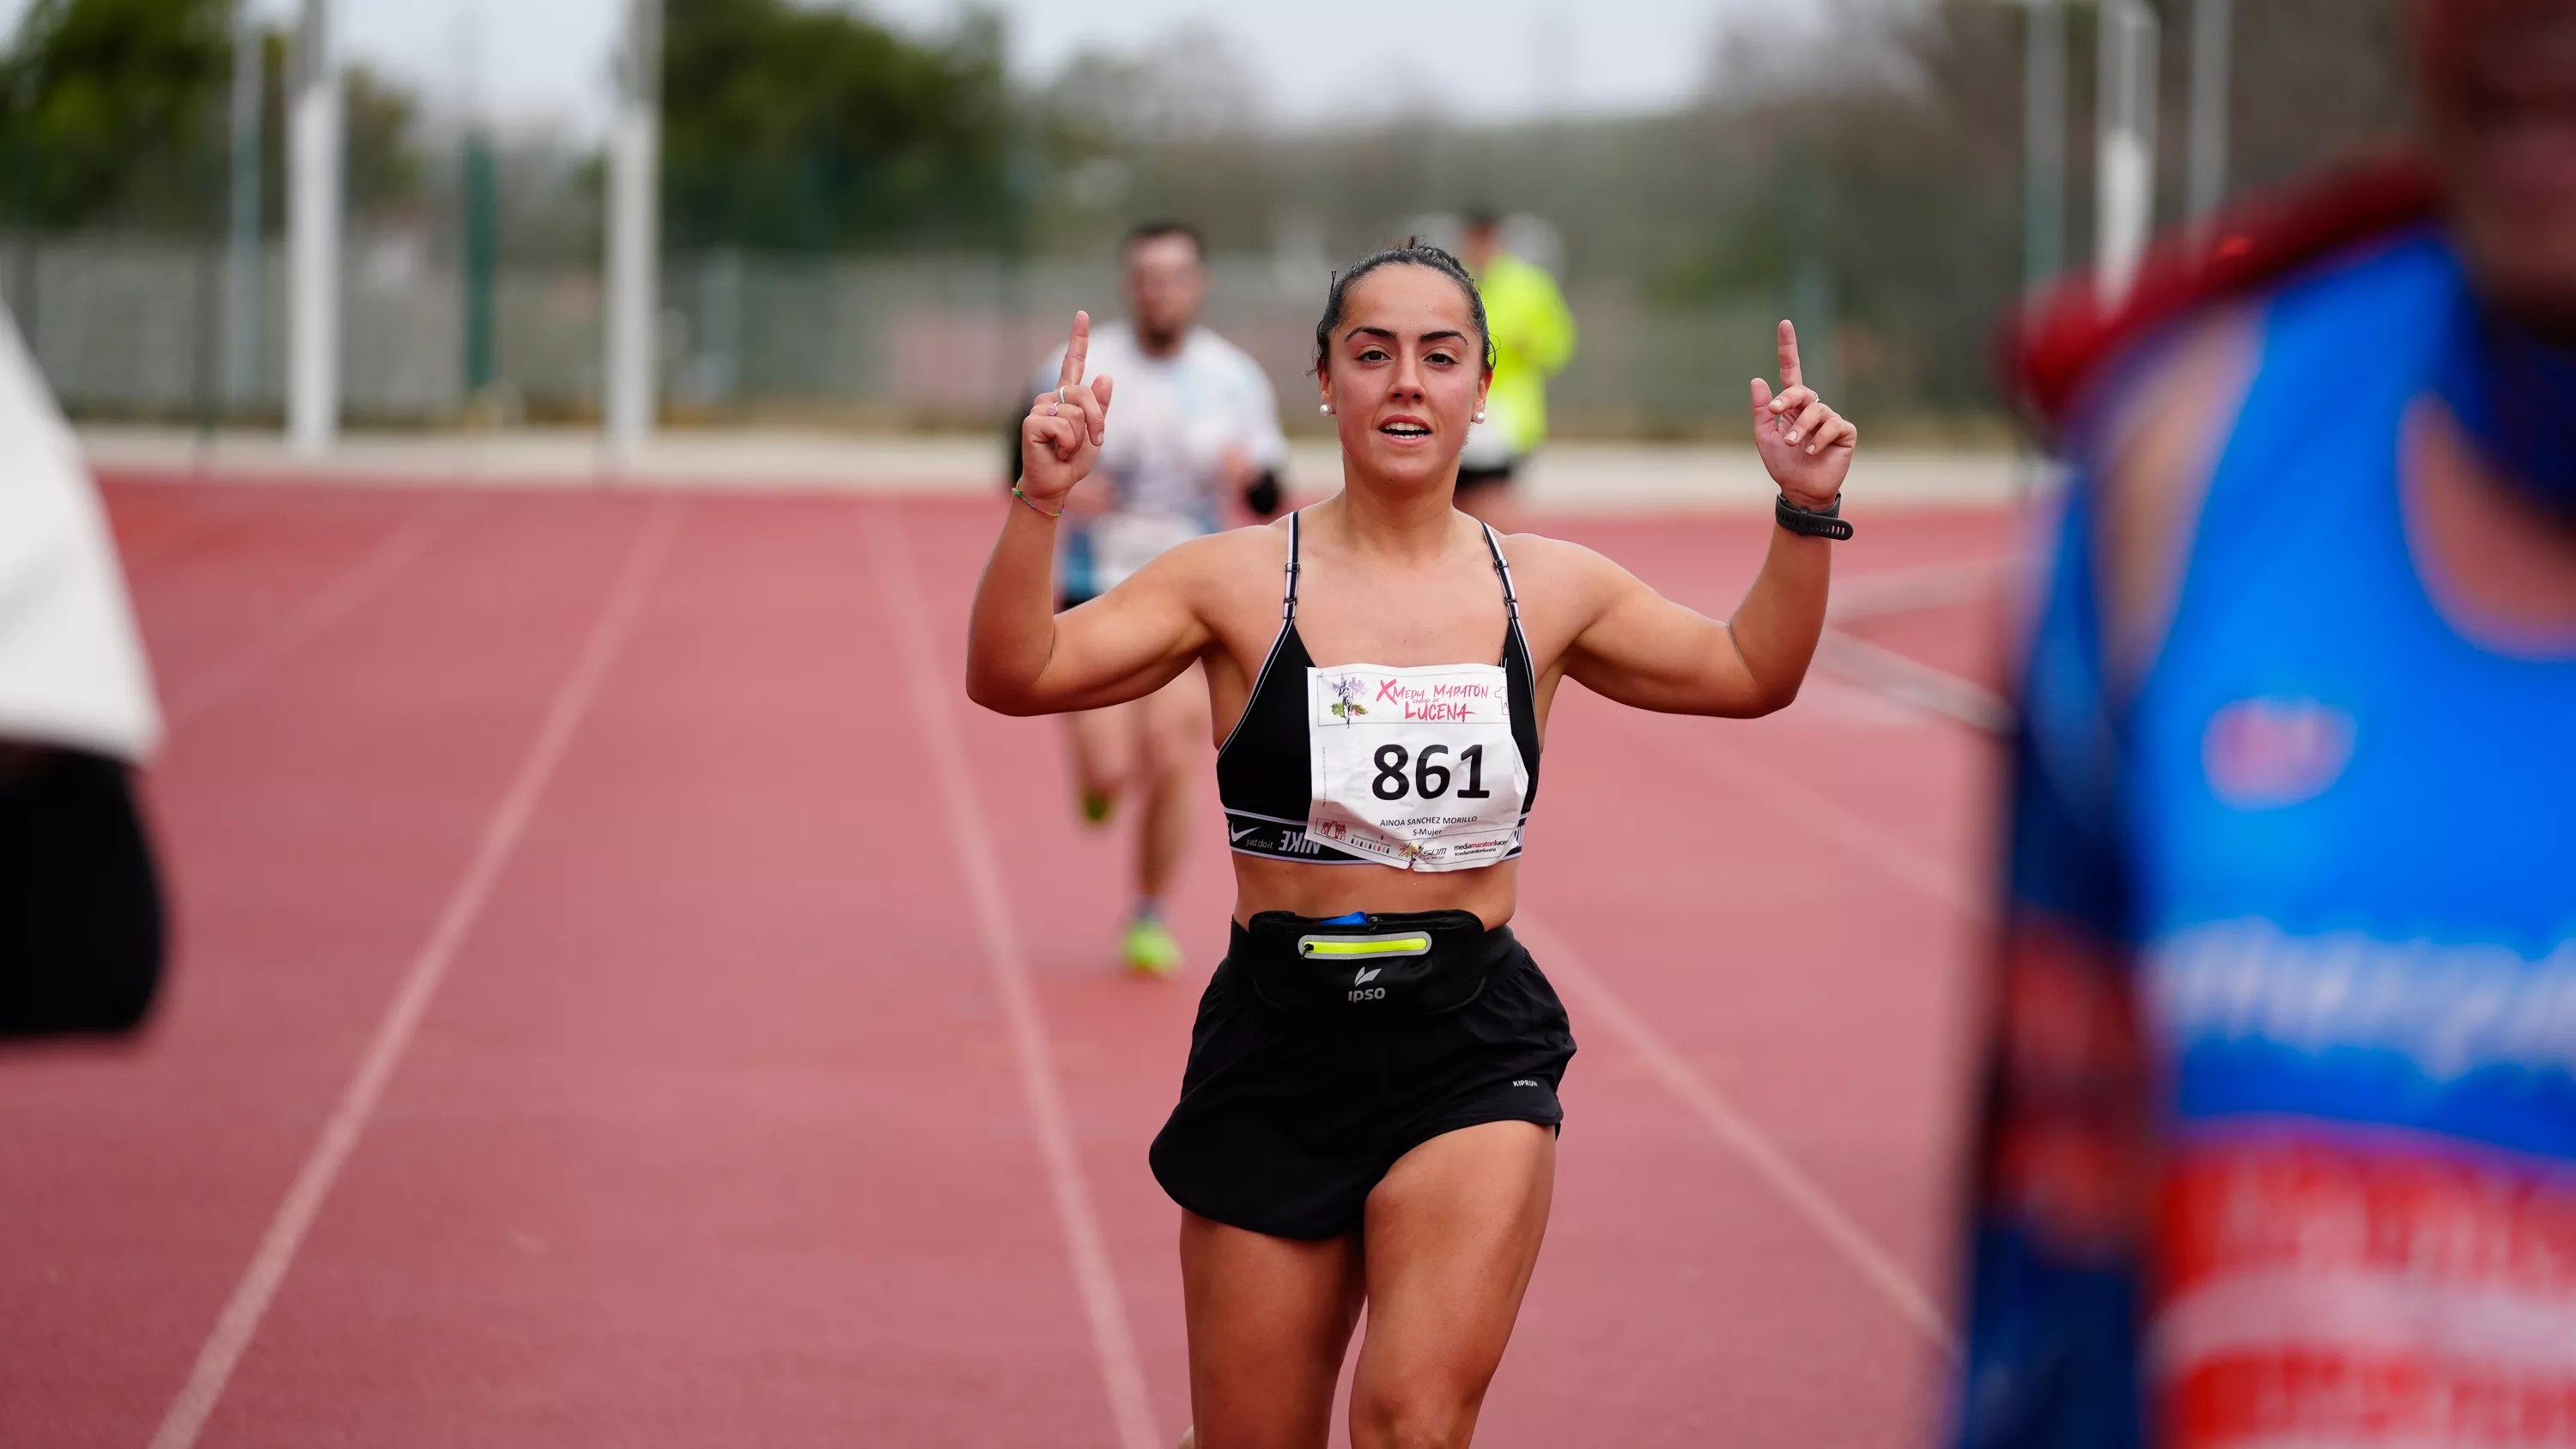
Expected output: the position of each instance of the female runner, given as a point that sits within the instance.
(1369, 1113)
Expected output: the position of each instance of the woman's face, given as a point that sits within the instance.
(2500, 94)
(1405, 372)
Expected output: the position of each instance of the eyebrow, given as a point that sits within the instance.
(1447, 333)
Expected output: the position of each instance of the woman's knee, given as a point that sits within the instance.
(1419, 1412)
(1104, 757)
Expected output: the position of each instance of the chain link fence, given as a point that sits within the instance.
(131, 328)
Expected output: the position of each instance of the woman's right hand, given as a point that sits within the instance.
(1060, 438)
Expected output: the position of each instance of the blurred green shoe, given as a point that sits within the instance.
(1095, 808)
(1151, 949)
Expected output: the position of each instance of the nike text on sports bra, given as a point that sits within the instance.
(1420, 767)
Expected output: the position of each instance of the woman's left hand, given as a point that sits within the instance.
(1806, 446)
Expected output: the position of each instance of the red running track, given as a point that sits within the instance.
(626, 995)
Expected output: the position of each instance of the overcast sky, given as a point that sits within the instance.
(1312, 59)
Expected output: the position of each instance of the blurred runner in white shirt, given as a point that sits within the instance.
(80, 903)
(1198, 429)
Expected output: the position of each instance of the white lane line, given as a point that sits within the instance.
(1912, 682)
(378, 567)
(1122, 1372)
(1922, 586)
(1898, 677)
(1813, 811)
(259, 1283)
(1737, 1132)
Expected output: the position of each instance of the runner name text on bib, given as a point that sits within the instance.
(1415, 767)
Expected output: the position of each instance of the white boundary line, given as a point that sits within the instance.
(1919, 586)
(1750, 1144)
(251, 1297)
(1122, 1373)
(1819, 815)
(1901, 677)
(354, 586)
(1910, 681)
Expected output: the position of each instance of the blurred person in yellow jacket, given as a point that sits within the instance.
(1533, 341)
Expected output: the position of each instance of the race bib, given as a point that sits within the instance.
(1415, 767)
(1122, 543)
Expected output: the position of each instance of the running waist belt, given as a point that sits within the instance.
(1376, 964)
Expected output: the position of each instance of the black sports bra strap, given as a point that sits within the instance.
(1288, 602)
(1511, 600)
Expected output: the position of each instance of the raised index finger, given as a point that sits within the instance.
(1075, 352)
(1789, 356)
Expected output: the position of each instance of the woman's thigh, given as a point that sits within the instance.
(1106, 745)
(1174, 732)
(1269, 1319)
(1452, 1235)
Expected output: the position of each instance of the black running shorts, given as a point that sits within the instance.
(1288, 1118)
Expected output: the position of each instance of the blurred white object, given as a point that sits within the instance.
(2126, 204)
(634, 198)
(1487, 449)
(72, 670)
(313, 237)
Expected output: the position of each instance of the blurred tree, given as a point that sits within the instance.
(1870, 152)
(1191, 84)
(804, 127)
(113, 113)
(381, 135)
(112, 110)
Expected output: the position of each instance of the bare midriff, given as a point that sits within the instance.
(1333, 890)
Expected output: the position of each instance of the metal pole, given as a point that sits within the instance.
(313, 238)
(2210, 43)
(2043, 122)
(1811, 283)
(482, 247)
(633, 249)
(23, 291)
(2043, 130)
(481, 199)
(2125, 181)
(242, 279)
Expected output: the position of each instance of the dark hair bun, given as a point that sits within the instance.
(1414, 253)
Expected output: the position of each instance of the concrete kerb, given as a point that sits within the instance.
(1572, 478)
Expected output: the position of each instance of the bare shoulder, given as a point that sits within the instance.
(1217, 564)
(1553, 569)
(1564, 588)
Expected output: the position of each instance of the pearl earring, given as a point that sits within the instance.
(1325, 408)
(1480, 415)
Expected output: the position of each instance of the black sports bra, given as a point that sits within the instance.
(1263, 770)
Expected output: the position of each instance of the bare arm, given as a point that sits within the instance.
(1021, 656)
(1644, 650)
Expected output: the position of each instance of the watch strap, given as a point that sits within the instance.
(1826, 522)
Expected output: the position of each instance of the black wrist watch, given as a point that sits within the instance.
(1826, 522)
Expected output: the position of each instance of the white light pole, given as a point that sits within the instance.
(634, 193)
(313, 238)
(2125, 178)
